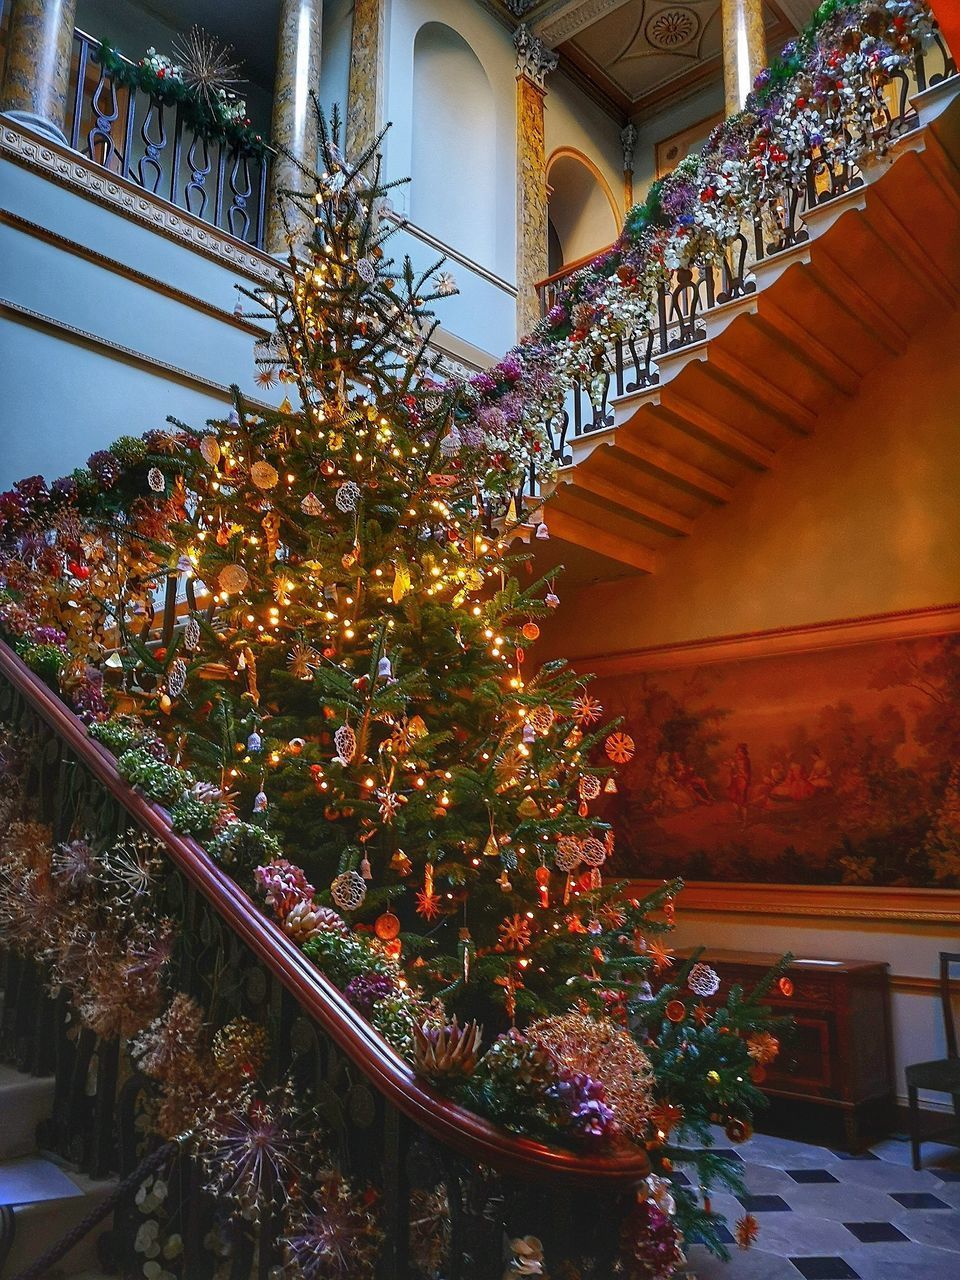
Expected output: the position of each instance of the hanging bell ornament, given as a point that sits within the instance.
(384, 669)
(260, 802)
(365, 869)
(543, 533)
(254, 743)
(233, 418)
(529, 733)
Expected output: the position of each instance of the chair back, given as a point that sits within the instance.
(948, 958)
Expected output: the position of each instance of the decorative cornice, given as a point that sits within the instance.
(89, 180)
(571, 17)
(534, 60)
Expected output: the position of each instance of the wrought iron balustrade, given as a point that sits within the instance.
(137, 136)
(391, 1128)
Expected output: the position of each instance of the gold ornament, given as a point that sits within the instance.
(263, 475)
(608, 1053)
(586, 710)
(515, 933)
(271, 532)
(530, 631)
(620, 748)
(233, 578)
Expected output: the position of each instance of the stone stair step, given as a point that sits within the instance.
(39, 1225)
(24, 1102)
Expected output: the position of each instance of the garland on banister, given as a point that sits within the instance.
(820, 104)
(210, 109)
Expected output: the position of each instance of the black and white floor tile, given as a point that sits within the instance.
(824, 1215)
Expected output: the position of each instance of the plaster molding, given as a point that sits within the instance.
(816, 902)
(534, 60)
(74, 247)
(139, 359)
(95, 183)
(571, 17)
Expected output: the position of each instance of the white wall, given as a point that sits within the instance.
(65, 394)
(453, 165)
(571, 119)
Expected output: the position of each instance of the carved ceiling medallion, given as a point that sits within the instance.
(672, 28)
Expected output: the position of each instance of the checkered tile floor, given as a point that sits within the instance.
(824, 1215)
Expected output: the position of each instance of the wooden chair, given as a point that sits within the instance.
(942, 1076)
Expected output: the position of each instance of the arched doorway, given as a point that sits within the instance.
(583, 214)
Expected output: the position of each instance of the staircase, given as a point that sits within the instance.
(860, 275)
(41, 1198)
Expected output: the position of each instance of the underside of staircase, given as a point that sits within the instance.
(880, 264)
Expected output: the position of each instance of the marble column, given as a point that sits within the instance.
(294, 123)
(368, 58)
(36, 76)
(628, 141)
(744, 50)
(534, 63)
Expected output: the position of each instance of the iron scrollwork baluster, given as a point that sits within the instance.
(200, 164)
(241, 188)
(153, 147)
(100, 137)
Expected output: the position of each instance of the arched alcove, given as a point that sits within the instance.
(453, 188)
(584, 216)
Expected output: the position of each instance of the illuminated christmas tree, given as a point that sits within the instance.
(342, 705)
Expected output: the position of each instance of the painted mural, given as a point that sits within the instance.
(837, 766)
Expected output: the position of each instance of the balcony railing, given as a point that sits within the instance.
(148, 142)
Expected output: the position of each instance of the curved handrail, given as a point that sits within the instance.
(452, 1125)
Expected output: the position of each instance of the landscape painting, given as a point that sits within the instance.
(836, 765)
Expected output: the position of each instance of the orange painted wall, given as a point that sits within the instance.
(862, 518)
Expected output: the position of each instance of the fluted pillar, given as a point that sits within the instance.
(36, 75)
(367, 71)
(534, 63)
(744, 50)
(294, 123)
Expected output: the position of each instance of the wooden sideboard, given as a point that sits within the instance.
(833, 1080)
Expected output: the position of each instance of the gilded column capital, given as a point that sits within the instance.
(535, 60)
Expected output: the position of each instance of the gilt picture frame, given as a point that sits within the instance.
(810, 770)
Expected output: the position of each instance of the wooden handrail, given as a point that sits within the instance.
(450, 1124)
(570, 267)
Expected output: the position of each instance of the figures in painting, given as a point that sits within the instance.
(825, 766)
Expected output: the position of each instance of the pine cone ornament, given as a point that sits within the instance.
(306, 920)
(442, 1052)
